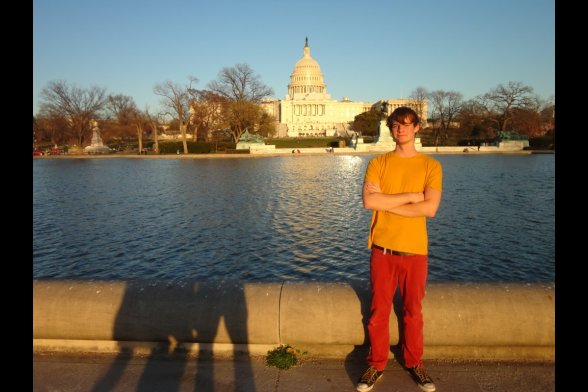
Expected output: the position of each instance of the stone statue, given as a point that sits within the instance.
(385, 139)
(384, 107)
(96, 145)
(96, 138)
(253, 143)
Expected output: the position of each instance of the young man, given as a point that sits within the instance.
(403, 188)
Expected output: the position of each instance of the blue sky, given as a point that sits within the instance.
(368, 50)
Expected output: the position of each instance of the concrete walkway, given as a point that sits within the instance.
(60, 372)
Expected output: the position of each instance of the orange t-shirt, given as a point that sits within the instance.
(395, 174)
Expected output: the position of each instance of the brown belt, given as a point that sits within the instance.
(392, 251)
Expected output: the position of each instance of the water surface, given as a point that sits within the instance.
(280, 218)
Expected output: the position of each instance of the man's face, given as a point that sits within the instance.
(404, 132)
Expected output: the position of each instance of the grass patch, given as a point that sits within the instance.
(283, 357)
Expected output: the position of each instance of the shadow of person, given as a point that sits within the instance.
(170, 316)
(225, 304)
(355, 361)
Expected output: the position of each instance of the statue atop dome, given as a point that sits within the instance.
(306, 81)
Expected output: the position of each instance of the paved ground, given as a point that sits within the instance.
(53, 373)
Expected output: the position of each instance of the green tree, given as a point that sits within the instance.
(267, 124)
(368, 123)
(242, 115)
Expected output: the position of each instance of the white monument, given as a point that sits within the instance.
(385, 139)
(96, 146)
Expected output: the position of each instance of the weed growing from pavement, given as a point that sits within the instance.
(284, 357)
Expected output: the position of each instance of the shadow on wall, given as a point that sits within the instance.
(356, 360)
(199, 309)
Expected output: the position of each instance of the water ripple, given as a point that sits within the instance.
(280, 218)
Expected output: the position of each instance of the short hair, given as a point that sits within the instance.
(401, 114)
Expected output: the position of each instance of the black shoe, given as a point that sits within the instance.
(368, 379)
(420, 376)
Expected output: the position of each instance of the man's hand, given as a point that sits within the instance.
(373, 188)
(418, 197)
(375, 199)
(428, 207)
(414, 197)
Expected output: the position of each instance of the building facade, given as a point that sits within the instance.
(308, 109)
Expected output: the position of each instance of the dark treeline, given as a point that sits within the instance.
(224, 110)
(506, 109)
(229, 105)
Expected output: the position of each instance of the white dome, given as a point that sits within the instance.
(307, 77)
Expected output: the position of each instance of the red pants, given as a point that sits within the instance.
(409, 273)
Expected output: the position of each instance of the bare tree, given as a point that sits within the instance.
(535, 120)
(76, 105)
(138, 120)
(239, 83)
(527, 122)
(176, 99)
(207, 113)
(418, 100)
(548, 114)
(446, 106)
(36, 129)
(124, 109)
(153, 120)
(502, 100)
(242, 91)
(121, 107)
(51, 128)
(472, 117)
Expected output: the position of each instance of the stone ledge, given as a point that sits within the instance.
(491, 321)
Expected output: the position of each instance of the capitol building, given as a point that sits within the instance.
(308, 109)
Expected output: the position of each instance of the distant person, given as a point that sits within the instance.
(403, 188)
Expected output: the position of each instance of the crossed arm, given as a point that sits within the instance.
(409, 204)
